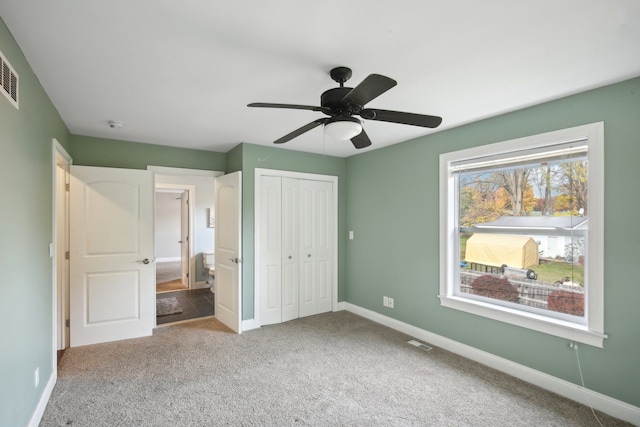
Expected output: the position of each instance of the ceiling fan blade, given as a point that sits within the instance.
(361, 140)
(400, 117)
(370, 88)
(300, 131)
(290, 106)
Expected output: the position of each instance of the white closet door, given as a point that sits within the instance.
(271, 250)
(324, 244)
(316, 231)
(290, 212)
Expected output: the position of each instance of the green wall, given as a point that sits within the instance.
(26, 289)
(258, 156)
(90, 151)
(396, 250)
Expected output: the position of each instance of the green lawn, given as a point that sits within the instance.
(554, 271)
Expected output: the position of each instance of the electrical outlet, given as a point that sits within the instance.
(36, 377)
(390, 302)
(350, 235)
(385, 301)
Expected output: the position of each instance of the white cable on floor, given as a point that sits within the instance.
(575, 347)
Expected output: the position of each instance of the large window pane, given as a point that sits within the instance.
(517, 222)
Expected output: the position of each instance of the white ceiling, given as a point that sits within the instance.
(181, 73)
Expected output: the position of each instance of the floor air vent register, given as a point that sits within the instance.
(8, 81)
(419, 345)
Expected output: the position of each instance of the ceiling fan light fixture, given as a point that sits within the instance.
(343, 128)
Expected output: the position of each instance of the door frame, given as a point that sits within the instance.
(182, 178)
(258, 174)
(60, 291)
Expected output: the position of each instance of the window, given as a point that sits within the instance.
(522, 232)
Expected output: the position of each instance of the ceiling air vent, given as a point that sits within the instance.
(8, 81)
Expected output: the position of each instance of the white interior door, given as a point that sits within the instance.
(184, 237)
(228, 249)
(62, 247)
(112, 292)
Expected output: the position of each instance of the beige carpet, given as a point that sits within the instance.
(168, 276)
(330, 369)
(174, 285)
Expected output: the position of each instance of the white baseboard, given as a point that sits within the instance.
(44, 400)
(601, 402)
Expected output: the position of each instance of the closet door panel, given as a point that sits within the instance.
(271, 250)
(307, 247)
(290, 299)
(323, 232)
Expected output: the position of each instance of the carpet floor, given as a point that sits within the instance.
(330, 369)
(168, 276)
(173, 285)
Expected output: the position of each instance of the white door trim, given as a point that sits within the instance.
(258, 174)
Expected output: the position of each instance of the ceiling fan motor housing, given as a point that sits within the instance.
(332, 99)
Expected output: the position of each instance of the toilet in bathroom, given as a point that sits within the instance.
(209, 259)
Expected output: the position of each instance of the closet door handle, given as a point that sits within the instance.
(308, 255)
(289, 256)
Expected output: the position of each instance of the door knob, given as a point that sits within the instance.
(236, 260)
(145, 261)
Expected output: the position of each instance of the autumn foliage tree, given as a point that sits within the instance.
(486, 198)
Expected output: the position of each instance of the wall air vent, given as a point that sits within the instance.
(8, 81)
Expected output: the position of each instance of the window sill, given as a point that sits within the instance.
(559, 328)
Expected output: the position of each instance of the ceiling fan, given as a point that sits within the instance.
(342, 103)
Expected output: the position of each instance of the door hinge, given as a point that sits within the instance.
(67, 323)
(187, 275)
(66, 255)
(67, 187)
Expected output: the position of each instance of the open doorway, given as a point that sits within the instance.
(60, 248)
(184, 234)
(172, 240)
(178, 298)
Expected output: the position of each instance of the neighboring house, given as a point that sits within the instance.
(548, 246)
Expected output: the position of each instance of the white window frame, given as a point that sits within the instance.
(591, 330)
